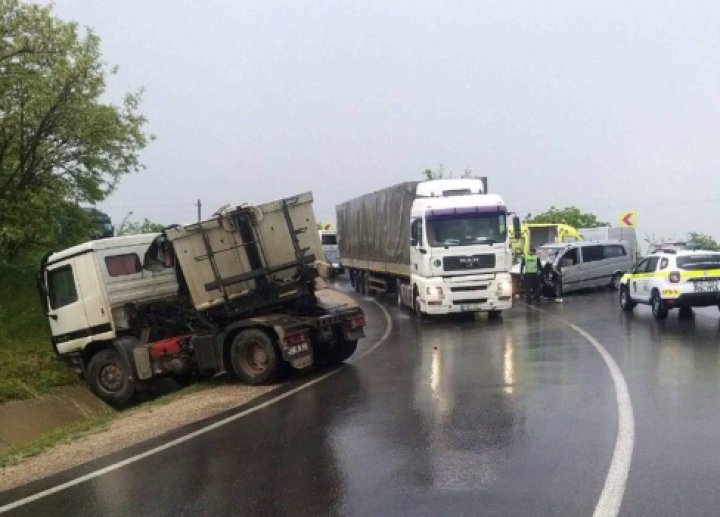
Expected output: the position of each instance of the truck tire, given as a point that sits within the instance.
(615, 281)
(342, 351)
(110, 378)
(254, 357)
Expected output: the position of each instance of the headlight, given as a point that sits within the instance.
(434, 290)
(504, 287)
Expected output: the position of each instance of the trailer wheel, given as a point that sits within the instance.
(342, 351)
(254, 357)
(110, 378)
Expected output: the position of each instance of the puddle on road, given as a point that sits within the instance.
(25, 420)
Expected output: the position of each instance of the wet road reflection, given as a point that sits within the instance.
(456, 416)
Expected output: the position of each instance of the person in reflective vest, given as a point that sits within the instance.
(530, 268)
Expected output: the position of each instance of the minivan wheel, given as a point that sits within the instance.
(626, 303)
(659, 310)
(615, 281)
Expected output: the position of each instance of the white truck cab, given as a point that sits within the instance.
(91, 287)
(460, 253)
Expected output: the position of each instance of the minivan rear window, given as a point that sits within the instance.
(592, 253)
(614, 250)
(692, 262)
(61, 287)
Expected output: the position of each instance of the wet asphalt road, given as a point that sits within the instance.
(453, 417)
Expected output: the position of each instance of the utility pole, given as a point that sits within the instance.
(199, 207)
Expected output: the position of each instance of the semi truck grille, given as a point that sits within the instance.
(472, 262)
(468, 288)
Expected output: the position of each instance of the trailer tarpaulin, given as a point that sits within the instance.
(376, 226)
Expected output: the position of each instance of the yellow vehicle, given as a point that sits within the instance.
(534, 235)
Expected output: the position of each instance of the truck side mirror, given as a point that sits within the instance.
(516, 227)
(413, 242)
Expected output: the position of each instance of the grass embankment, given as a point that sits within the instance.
(28, 366)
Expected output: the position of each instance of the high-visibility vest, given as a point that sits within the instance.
(531, 264)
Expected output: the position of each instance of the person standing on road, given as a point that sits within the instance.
(530, 270)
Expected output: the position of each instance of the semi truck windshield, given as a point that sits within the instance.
(460, 230)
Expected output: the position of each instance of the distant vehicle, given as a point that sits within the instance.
(584, 265)
(103, 225)
(235, 293)
(442, 245)
(612, 233)
(328, 238)
(533, 235)
(671, 278)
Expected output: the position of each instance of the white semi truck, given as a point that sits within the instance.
(442, 245)
(235, 293)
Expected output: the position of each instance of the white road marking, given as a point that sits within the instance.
(194, 434)
(612, 494)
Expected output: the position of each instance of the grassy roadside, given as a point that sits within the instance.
(90, 425)
(28, 366)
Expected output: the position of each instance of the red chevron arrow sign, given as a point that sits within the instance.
(628, 219)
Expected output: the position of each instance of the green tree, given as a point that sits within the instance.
(128, 227)
(570, 215)
(59, 145)
(705, 241)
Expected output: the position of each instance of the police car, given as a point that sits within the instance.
(672, 278)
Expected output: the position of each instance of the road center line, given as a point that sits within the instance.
(612, 494)
(199, 432)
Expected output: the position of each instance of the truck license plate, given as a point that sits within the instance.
(470, 307)
(707, 286)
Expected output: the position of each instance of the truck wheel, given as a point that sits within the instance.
(659, 310)
(342, 351)
(615, 281)
(110, 378)
(254, 357)
(626, 302)
(351, 274)
(558, 291)
(398, 291)
(416, 305)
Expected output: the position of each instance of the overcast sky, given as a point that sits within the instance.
(605, 105)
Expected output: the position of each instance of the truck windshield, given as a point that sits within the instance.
(329, 240)
(459, 230)
(709, 261)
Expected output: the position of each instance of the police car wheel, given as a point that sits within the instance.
(626, 302)
(659, 310)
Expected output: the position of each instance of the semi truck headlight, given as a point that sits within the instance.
(504, 287)
(437, 263)
(434, 290)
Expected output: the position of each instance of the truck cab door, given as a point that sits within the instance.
(417, 246)
(65, 310)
